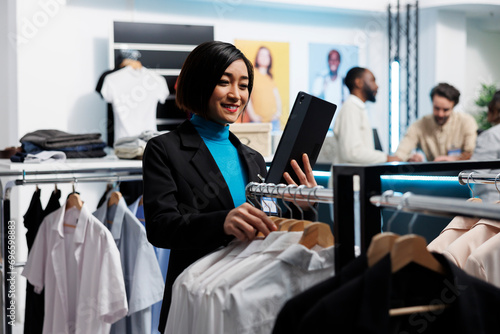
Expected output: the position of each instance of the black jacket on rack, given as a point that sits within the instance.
(291, 314)
(362, 305)
(35, 303)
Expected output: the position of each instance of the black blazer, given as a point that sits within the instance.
(186, 198)
(362, 304)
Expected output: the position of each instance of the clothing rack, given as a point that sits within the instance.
(371, 185)
(436, 205)
(465, 178)
(289, 192)
(48, 176)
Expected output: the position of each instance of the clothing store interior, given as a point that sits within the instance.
(338, 168)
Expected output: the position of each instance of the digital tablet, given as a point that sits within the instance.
(304, 132)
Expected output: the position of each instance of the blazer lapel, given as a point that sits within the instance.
(205, 165)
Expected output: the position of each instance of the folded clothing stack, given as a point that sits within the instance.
(133, 147)
(86, 145)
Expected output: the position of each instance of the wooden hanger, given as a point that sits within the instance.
(317, 234)
(474, 199)
(299, 225)
(74, 200)
(114, 198)
(276, 221)
(285, 224)
(380, 245)
(413, 248)
(416, 309)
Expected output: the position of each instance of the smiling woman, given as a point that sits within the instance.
(195, 175)
(231, 94)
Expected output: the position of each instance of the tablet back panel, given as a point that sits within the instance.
(304, 132)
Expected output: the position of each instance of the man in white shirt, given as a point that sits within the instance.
(352, 130)
(353, 134)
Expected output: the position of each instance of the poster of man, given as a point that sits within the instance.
(269, 99)
(328, 65)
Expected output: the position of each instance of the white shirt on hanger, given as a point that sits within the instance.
(253, 304)
(89, 298)
(134, 94)
(457, 227)
(141, 270)
(256, 247)
(213, 294)
(484, 261)
(182, 299)
(459, 250)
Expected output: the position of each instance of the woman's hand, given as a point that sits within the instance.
(306, 178)
(245, 221)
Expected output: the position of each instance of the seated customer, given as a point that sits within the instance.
(488, 148)
(445, 135)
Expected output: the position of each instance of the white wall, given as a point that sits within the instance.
(62, 50)
(451, 47)
(459, 50)
(442, 53)
(8, 75)
(483, 66)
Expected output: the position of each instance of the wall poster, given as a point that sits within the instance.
(269, 101)
(328, 65)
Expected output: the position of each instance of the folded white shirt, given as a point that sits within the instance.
(45, 156)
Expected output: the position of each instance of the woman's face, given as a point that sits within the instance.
(230, 95)
(264, 58)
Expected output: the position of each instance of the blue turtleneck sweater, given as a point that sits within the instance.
(216, 137)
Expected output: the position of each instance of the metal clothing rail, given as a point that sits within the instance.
(290, 192)
(115, 177)
(78, 175)
(436, 205)
(465, 178)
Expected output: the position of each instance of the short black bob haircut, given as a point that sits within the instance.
(351, 76)
(201, 72)
(447, 91)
